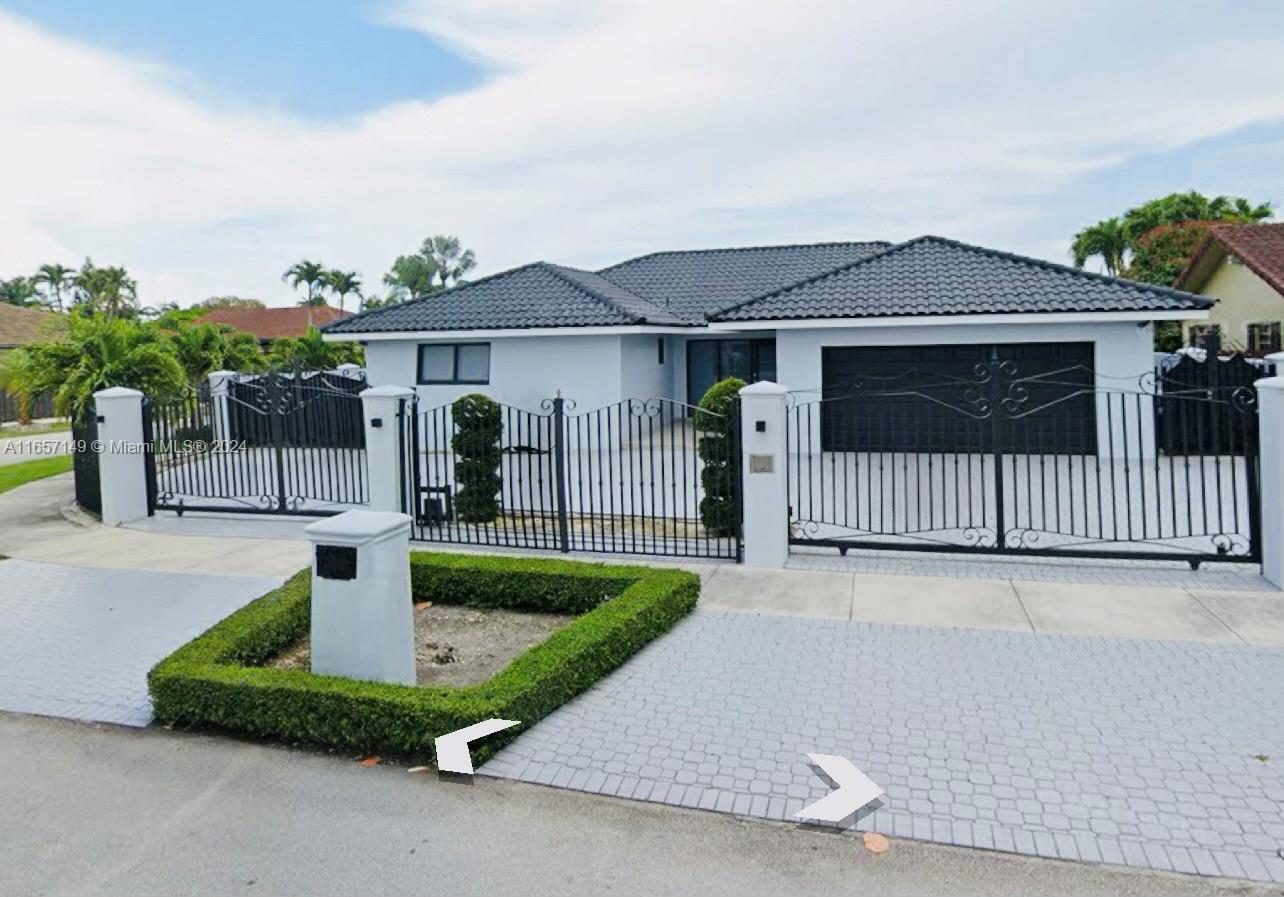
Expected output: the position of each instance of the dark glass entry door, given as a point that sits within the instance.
(711, 360)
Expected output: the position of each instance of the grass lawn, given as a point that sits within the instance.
(14, 475)
(58, 426)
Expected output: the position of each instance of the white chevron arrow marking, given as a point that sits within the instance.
(452, 748)
(855, 790)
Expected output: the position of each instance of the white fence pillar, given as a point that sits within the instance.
(220, 388)
(764, 462)
(122, 463)
(362, 617)
(381, 406)
(1270, 403)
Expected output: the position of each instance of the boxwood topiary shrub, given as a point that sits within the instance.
(719, 508)
(218, 679)
(478, 428)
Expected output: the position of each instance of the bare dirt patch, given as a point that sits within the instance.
(456, 646)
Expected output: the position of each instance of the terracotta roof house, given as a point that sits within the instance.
(21, 326)
(811, 317)
(275, 323)
(1242, 268)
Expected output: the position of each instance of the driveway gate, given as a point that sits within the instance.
(277, 443)
(632, 478)
(1059, 462)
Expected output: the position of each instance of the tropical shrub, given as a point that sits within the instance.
(715, 419)
(202, 348)
(98, 352)
(312, 353)
(478, 427)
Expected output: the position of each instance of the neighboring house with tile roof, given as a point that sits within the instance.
(23, 325)
(1242, 268)
(275, 323)
(670, 324)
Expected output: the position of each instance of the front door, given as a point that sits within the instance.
(711, 360)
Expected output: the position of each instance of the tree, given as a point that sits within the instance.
(451, 261)
(312, 353)
(1106, 239)
(310, 275)
(1118, 240)
(229, 302)
(98, 352)
(108, 291)
(201, 348)
(18, 291)
(343, 283)
(440, 263)
(54, 279)
(479, 426)
(411, 276)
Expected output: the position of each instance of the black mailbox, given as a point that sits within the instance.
(336, 562)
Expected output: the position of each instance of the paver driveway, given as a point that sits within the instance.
(78, 641)
(1128, 751)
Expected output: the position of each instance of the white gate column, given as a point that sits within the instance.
(220, 388)
(1270, 403)
(381, 407)
(122, 463)
(763, 465)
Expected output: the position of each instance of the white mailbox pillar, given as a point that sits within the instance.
(220, 388)
(381, 406)
(363, 623)
(763, 460)
(1270, 404)
(122, 464)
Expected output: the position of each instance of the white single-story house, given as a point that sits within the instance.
(670, 324)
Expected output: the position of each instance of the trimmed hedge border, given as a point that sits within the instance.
(217, 679)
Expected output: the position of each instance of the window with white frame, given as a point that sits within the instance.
(454, 363)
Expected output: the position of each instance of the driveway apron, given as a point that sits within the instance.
(78, 642)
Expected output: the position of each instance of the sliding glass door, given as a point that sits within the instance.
(711, 360)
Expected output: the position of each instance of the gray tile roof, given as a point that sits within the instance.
(535, 295)
(930, 275)
(695, 283)
(935, 276)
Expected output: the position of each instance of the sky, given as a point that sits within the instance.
(207, 147)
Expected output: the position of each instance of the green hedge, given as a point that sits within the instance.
(216, 679)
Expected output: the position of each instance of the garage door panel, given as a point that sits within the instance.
(936, 398)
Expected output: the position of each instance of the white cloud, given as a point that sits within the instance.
(609, 128)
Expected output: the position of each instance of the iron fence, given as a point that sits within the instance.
(38, 408)
(635, 477)
(1059, 463)
(278, 443)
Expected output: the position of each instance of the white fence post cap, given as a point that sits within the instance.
(358, 527)
(117, 392)
(1276, 383)
(764, 388)
(388, 392)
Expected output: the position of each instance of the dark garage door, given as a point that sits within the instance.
(921, 398)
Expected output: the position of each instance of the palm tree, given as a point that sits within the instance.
(312, 276)
(451, 261)
(54, 278)
(110, 291)
(1106, 239)
(342, 283)
(18, 291)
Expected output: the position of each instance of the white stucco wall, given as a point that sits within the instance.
(523, 370)
(1123, 352)
(641, 374)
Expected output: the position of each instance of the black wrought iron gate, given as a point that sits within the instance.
(277, 443)
(1064, 462)
(641, 476)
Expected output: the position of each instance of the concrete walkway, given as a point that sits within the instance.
(1251, 617)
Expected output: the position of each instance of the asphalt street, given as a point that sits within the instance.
(95, 809)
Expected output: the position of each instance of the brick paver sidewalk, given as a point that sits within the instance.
(1168, 755)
